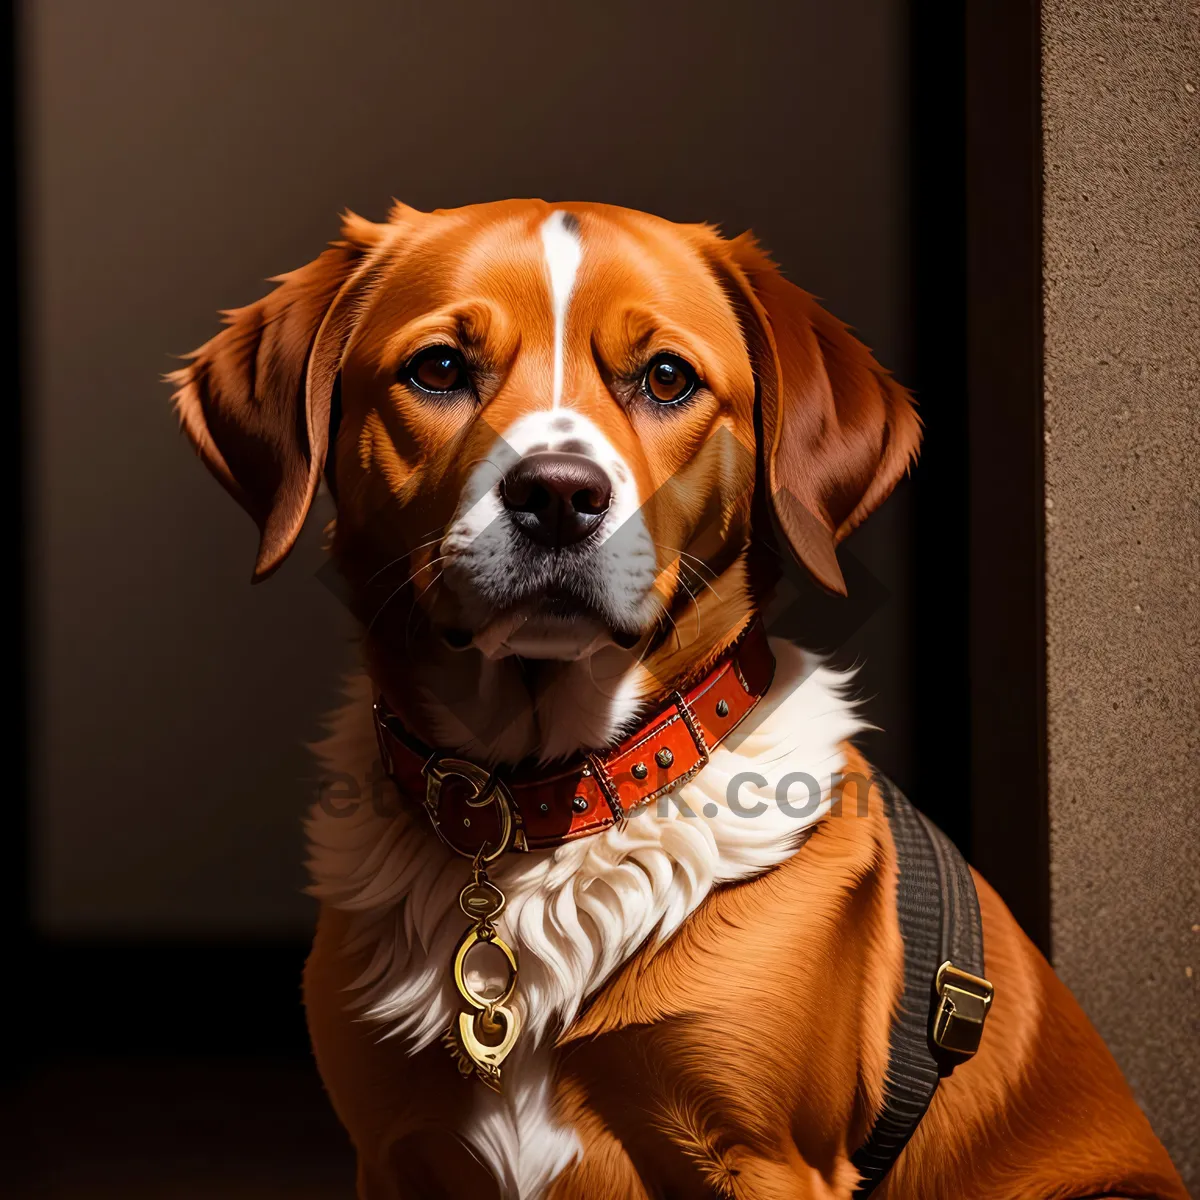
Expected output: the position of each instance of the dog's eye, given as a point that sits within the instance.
(669, 379)
(437, 369)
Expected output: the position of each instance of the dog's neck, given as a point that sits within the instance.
(510, 710)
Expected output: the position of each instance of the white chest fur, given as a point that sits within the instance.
(574, 914)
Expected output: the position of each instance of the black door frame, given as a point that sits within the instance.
(979, 515)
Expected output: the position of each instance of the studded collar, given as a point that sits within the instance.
(482, 814)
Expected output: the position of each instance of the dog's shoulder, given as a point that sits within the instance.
(724, 1034)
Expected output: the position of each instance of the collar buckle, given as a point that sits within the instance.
(487, 789)
(693, 727)
(595, 765)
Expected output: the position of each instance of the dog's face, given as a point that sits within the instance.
(549, 429)
(523, 386)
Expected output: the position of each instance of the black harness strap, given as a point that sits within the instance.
(940, 1015)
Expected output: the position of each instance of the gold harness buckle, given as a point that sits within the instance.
(963, 1003)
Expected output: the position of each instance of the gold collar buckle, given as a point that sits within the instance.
(487, 789)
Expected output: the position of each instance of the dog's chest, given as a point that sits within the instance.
(575, 915)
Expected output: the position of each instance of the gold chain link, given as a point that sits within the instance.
(483, 1038)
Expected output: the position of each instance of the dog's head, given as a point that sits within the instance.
(548, 429)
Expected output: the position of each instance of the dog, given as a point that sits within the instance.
(610, 904)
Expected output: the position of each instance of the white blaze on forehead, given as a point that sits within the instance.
(563, 252)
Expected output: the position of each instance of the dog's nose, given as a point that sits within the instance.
(556, 499)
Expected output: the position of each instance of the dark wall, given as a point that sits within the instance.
(178, 155)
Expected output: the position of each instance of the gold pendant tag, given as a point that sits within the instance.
(483, 1038)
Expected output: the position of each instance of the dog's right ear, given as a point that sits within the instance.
(255, 399)
(837, 432)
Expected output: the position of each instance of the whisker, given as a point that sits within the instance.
(683, 554)
(397, 591)
(646, 650)
(693, 601)
(691, 562)
(432, 535)
(416, 601)
(701, 579)
(400, 558)
(666, 612)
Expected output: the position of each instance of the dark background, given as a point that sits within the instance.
(180, 154)
(174, 156)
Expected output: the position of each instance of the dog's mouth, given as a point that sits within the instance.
(559, 623)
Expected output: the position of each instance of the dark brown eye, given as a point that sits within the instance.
(439, 369)
(669, 379)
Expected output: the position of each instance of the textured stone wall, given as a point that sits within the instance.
(1122, 258)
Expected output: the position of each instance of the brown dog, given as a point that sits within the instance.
(563, 441)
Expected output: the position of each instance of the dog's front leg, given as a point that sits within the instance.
(401, 1110)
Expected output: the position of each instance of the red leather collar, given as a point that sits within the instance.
(481, 814)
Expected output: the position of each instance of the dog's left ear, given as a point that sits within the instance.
(837, 432)
(255, 400)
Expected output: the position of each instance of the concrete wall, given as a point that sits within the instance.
(1122, 309)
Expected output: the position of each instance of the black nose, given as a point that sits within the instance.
(556, 499)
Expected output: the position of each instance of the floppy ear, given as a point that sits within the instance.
(255, 399)
(837, 432)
